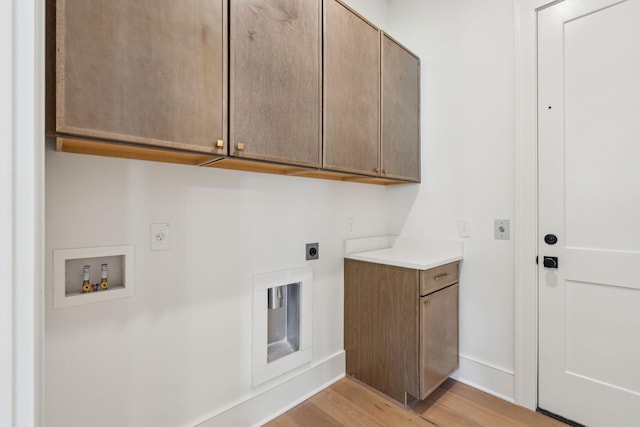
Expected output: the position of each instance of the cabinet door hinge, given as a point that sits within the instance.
(536, 260)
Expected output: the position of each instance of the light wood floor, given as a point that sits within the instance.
(348, 403)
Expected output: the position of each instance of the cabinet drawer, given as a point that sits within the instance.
(438, 278)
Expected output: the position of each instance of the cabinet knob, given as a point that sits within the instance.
(220, 144)
(377, 170)
(427, 302)
(240, 146)
(385, 171)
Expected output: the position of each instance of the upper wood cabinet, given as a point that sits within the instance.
(144, 71)
(294, 87)
(276, 88)
(351, 91)
(400, 112)
(371, 99)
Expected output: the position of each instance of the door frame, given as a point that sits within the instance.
(21, 212)
(526, 202)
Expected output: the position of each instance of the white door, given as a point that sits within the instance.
(589, 198)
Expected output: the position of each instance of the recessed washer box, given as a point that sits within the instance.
(68, 266)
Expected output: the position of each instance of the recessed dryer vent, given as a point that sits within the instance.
(281, 322)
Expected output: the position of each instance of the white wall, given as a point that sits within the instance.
(181, 348)
(375, 11)
(467, 59)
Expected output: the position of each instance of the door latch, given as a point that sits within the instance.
(550, 262)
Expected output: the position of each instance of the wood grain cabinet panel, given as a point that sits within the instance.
(295, 87)
(396, 341)
(146, 71)
(438, 277)
(351, 91)
(371, 99)
(381, 327)
(400, 112)
(275, 76)
(438, 338)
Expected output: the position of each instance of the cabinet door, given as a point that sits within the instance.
(400, 112)
(381, 327)
(438, 338)
(275, 80)
(351, 91)
(145, 71)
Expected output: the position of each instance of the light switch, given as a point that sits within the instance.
(464, 228)
(351, 226)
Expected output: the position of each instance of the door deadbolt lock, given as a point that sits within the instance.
(550, 239)
(550, 262)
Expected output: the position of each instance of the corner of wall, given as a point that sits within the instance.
(483, 376)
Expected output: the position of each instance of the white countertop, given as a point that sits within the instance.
(412, 253)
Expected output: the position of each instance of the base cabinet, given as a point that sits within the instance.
(438, 338)
(401, 327)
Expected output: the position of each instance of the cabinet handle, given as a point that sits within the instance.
(441, 276)
(427, 302)
(220, 144)
(240, 146)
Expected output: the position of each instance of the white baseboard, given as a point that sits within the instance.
(483, 376)
(261, 408)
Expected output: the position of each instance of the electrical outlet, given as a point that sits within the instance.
(501, 229)
(312, 251)
(160, 237)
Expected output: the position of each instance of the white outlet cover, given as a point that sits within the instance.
(351, 226)
(464, 228)
(160, 237)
